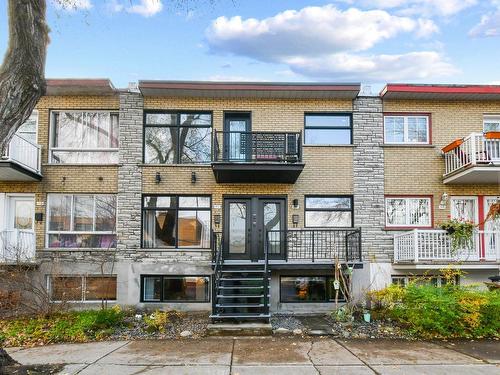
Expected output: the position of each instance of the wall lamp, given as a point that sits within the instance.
(444, 201)
(217, 219)
(295, 220)
(158, 177)
(193, 177)
(295, 203)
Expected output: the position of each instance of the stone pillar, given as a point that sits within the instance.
(128, 204)
(368, 173)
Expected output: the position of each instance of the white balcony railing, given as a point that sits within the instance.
(25, 153)
(17, 246)
(474, 150)
(435, 245)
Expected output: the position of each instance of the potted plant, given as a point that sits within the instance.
(452, 145)
(460, 232)
(492, 135)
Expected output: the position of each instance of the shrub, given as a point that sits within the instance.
(441, 312)
(157, 321)
(75, 326)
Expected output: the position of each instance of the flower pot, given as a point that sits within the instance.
(492, 135)
(367, 317)
(452, 145)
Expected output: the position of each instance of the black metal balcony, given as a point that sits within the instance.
(265, 157)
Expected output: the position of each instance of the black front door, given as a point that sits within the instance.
(246, 221)
(237, 137)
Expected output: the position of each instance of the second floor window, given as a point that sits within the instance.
(327, 129)
(491, 123)
(177, 137)
(332, 211)
(84, 137)
(408, 212)
(81, 221)
(401, 129)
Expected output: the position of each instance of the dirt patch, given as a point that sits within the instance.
(31, 370)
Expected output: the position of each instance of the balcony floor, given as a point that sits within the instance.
(476, 174)
(439, 264)
(13, 171)
(257, 172)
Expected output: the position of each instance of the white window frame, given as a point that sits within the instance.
(49, 232)
(405, 129)
(466, 197)
(407, 212)
(490, 118)
(84, 288)
(35, 115)
(67, 149)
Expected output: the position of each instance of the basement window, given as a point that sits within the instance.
(162, 288)
(308, 289)
(81, 288)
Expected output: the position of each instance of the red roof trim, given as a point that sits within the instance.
(441, 89)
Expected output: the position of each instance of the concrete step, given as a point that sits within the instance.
(239, 329)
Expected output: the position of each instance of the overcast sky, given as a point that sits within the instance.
(368, 41)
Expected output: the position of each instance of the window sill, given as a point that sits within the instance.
(77, 250)
(407, 145)
(333, 146)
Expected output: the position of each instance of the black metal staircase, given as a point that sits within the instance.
(240, 291)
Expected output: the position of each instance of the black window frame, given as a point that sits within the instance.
(329, 279)
(351, 210)
(178, 126)
(162, 300)
(177, 209)
(335, 114)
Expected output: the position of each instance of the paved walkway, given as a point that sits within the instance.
(262, 356)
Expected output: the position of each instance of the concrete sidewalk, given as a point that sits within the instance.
(274, 356)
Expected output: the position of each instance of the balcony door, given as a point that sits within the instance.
(19, 236)
(246, 221)
(236, 138)
(491, 240)
(466, 208)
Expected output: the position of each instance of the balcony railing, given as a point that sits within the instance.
(271, 147)
(17, 246)
(435, 245)
(473, 150)
(24, 153)
(315, 245)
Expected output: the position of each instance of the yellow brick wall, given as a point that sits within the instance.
(328, 170)
(78, 178)
(419, 170)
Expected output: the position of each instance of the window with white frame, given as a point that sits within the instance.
(81, 221)
(491, 123)
(408, 212)
(84, 137)
(406, 129)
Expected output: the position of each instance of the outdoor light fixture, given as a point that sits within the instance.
(158, 177)
(217, 220)
(38, 216)
(444, 201)
(295, 203)
(193, 177)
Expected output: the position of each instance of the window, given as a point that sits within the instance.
(81, 221)
(329, 211)
(491, 123)
(84, 137)
(408, 212)
(28, 129)
(177, 137)
(308, 289)
(328, 129)
(160, 288)
(176, 222)
(401, 129)
(82, 288)
(436, 280)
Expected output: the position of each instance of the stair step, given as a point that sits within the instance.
(241, 287)
(242, 271)
(240, 316)
(241, 278)
(250, 305)
(242, 296)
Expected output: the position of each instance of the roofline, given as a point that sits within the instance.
(439, 89)
(80, 86)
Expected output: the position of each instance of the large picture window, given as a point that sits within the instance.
(328, 129)
(328, 211)
(161, 288)
(308, 289)
(84, 137)
(81, 221)
(177, 137)
(408, 212)
(406, 129)
(82, 288)
(176, 222)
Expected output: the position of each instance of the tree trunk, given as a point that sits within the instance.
(5, 359)
(22, 74)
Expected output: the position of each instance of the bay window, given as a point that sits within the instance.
(81, 221)
(408, 212)
(80, 137)
(406, 129)
(328, 211)
(177, 137)
(176, 222)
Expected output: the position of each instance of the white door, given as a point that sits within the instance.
(491, 240)
(19, 237)
(466, 208)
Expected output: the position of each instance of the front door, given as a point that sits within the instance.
(237, 137)
(20, 233)
(246, 222)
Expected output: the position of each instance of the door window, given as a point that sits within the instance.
(272, 222)
(22, 213)
(237, 227)
(464, 208)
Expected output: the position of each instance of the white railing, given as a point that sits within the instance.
(17, 246)
(476, 149)
(435, 245)
(25, 153)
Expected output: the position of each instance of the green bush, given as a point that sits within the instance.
(75, 326)
(441, 312)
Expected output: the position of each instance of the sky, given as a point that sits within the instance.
(367, 41)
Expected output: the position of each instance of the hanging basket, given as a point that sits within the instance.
(452, 145)
(492, 135)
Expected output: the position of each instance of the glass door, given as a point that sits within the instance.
(237, 137)
(466, 208)
(237, 229)
(20, 224)
(272, 220)
(491, 240)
